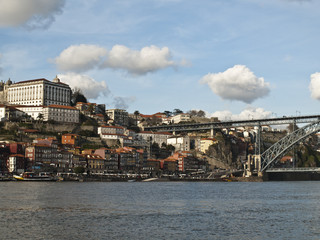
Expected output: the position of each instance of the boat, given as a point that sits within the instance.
(31, 176)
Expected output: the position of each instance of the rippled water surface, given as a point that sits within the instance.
(160, 210)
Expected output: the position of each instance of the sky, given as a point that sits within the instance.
(233, 59)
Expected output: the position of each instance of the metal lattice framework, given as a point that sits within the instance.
(281, 147)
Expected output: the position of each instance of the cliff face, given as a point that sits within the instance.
(227, 151)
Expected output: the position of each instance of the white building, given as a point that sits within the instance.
(36, 92)
(183, 117)
(2, 112)
(111, 130)
(32, 111)
(60, 113)
(157, 137)
(119, 116)
(181, 143)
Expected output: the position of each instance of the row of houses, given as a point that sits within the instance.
(48, 155)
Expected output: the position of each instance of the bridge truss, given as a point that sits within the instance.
(281, 147)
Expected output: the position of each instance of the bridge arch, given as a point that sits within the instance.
(281, 147)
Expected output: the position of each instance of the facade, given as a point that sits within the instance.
(205, 143)
(60, 113)
(181, 143)
(16, 163)
(33, 111)
(157, 137)
(111, 130)
(111, 158)
(36, 92)
(119, 116)
(2, 112)
(183, 117)
(70, 139)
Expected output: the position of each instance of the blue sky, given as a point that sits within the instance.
(230, 58)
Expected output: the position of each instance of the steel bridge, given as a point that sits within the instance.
(277, 150)
(272, 154)
(187, 127)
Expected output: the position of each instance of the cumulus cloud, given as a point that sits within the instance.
(237, 83)
(80, 58)
(123, 102)
(90, 87)
(246, 114)
(314, 85)
(30, 13)
(148, 59)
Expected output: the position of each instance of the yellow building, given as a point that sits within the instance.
(205, 143)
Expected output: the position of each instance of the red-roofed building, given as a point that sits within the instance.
(60, 113)
(70, 139)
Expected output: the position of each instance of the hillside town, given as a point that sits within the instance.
(47, 127)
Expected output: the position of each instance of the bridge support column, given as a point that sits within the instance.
(212, 132)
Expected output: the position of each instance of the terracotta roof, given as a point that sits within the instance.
(104, 126)
(30, 130)
(61, 106)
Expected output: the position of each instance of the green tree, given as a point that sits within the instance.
(79, 170)
(40, 117)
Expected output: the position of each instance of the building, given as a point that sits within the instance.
(89, 109)
(33, 111)
(154, 137)
(119, 116)
(70, 139)
(61, 113)
(96, 163)
(2, 112)
(181, 143)
(35, 92)
(205, 143)
(111, 130)
(183, 117)
(16, 163)
(57, 113)
(111, 158)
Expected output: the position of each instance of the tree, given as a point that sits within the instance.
(167, 113)
(193, 113)
(79, 170)
(136, 113)
(40, 117)
(201, 113)
(77, 96)
(177, 111)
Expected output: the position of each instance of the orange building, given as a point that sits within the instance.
(71, 139)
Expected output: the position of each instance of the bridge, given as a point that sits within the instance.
(188, 127)
(266, 159)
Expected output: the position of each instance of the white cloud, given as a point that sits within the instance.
(148, 59)
(80, 58)
(247, 114)
(31, 13)
(314, 85)
(90, 87)
(237, 83)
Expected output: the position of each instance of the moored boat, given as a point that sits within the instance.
(31, 176)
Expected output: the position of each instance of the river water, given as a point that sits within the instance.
(160, 210)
